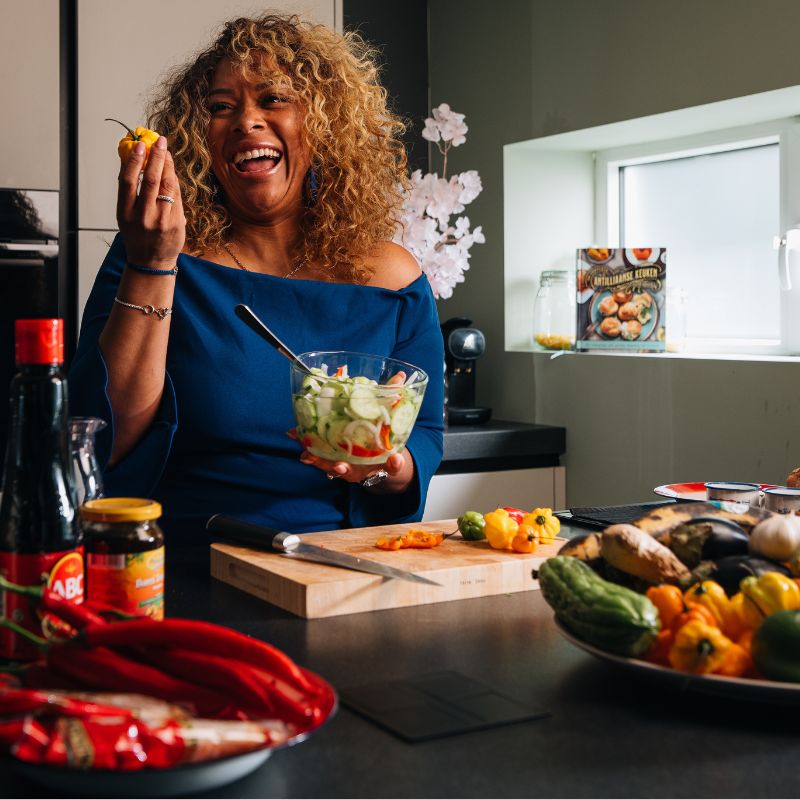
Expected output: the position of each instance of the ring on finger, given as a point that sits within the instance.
(166, 198)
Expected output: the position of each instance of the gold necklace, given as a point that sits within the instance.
(243, 267)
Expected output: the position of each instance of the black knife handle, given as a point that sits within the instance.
(258, 536)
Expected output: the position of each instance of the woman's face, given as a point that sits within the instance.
(256, 146)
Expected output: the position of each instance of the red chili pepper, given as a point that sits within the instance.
(202, 637)
(14, 702)
(102, 668)
(37, 675)
(77, 615)
(294, 708)
(216, 672)
(104, 611)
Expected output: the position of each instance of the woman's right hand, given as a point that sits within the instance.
(154, 230)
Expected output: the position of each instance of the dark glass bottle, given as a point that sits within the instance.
(40, 539)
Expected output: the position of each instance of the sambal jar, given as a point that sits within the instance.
(554, 311)
(124, 549)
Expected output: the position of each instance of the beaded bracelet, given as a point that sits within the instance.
(152, 271)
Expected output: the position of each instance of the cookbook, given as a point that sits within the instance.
(621, 298)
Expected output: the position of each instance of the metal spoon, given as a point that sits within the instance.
(248, 316)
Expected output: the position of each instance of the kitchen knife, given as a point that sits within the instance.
(290, 544)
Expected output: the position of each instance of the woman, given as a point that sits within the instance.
(275, 185)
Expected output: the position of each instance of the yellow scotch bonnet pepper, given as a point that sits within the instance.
(127, 144)
(698, 648)
(711, 595)
(544, 524)
(500, 529)
(766, 595)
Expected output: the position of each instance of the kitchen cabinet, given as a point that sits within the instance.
(450, 496)
(124, 50)
(29, 95)
(498, 464)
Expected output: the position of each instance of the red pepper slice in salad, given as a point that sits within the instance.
(361, 452)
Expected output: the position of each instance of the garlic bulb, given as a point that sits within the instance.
(776, 538)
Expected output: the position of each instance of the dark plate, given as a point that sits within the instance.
(174, 782)
(760, 691)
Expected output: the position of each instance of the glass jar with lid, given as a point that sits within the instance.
(124, 548)
(554, 311)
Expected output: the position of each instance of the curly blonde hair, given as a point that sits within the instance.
(360, 163)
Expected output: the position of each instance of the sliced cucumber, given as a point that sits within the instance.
(335, 432)
(363, 403)
(310, 384)
(305, 412)
(403, 417)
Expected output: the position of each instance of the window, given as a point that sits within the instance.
(716, 207)
(714, 184)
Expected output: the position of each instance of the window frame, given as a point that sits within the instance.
(784, 132)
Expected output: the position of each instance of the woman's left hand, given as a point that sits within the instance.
(399, 466)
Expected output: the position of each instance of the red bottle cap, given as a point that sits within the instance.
(39, 341)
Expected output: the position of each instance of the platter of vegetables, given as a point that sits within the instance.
(176, 706)
(702, 597)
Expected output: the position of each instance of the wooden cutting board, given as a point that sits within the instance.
(464, 569)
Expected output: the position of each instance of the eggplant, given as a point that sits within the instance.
(725, 538)
(729, 572)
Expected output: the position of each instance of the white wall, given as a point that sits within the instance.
(537, 67)
(29, 66)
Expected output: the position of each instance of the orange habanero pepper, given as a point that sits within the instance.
(668, 599)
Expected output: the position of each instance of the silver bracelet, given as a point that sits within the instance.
(147, 310)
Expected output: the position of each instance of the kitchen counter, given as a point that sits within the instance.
(501, 445)
(608, 735)
(499, 463)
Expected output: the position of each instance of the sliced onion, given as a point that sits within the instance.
(355, 424)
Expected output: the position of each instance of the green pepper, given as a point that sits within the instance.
(776, 646)
(471, 525)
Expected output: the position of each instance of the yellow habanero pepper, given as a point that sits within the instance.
(712, 596)
(127, 144)
(544, 523)
(500, 529)
(766, 595)
(698, 648)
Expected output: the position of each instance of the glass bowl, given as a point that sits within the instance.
(355, 407)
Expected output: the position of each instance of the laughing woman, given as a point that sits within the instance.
(276, 184)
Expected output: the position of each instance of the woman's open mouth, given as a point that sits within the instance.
(259, 160)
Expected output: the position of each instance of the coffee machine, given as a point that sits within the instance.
(463, 346)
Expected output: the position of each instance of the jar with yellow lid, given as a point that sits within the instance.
(124, 549)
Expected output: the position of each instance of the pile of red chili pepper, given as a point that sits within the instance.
(251, 691)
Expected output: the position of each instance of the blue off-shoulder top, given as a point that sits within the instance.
(219, 443)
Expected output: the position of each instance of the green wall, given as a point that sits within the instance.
(524, 69)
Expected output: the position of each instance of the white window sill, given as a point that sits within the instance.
(551, 354)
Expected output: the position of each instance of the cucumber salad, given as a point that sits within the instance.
(357, 420)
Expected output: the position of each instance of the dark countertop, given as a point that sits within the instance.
(501, 445)
(608, 735)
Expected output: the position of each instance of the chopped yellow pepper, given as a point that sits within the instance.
(766, 595)
(698, 648)
(500, 529)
